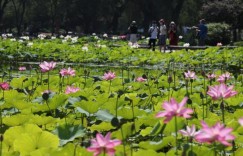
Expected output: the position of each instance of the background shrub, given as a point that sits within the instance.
(218, 32)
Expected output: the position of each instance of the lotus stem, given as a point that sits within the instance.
(222, 109)
(109, 87)
(124, 149)
(48, 74)
(176, 128)
(116, 105)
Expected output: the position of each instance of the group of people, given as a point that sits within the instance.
(160, 32)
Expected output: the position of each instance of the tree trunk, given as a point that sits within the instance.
(177, 10)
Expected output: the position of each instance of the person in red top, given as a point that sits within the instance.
(173, 38)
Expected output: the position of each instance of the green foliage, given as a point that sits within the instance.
(68, 133)
(30, 139)
(218, 33)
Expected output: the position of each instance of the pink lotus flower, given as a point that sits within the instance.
(224, 77)
(47, 66)
(4, 86)
(140, 79)
(221, 91)
(71, 89)
(190, 75)
(216, 133)
(241, 121)
(67, 72)
(190, 131)
(211, 76)
(22, 68)
(103, 144)
(172, 109)
(109, 76)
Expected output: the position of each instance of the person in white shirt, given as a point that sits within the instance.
(153, 32)
(162, 35)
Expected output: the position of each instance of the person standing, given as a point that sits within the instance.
(133, 30)
(153, 33)
(162, 35)
(173, 37)
(202, 32)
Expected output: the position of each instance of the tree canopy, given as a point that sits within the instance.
(111, 16)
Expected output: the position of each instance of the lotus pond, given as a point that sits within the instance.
(97, 96)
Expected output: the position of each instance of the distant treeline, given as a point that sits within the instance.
(111, 16)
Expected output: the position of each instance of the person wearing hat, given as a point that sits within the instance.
(173, 38)
(133, 30)
(162, 35)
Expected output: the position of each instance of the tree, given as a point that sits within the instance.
(3, 5)
(228, 11)
(19, 10)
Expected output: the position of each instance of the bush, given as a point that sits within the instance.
(239, 43)
(218, 32)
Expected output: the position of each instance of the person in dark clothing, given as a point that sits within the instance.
(133, 30)
(202, 32)
(173, 38)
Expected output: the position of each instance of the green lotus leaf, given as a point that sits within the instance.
(29, 138)
(166, 141)
(68, 133)
(16, 120)
(158, 128)
(239, 152)
(104, 126)
(27, 143)
(170, 127)
(12, 96)
(126, 112)
(58, 101)
(19, 82)
(71, 149)
(42, 120)
(88, 106)
(132, 97)
(146, 131)
(149, 152)
(22, 105)
(124, 132)
(104, 115)
(202, 150)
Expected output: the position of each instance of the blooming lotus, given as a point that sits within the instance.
(190, 75)
(221, 91)
(103, 144)
(172, 108)
(67, 72)
(211, 76)
(140, 79)
(190, 131)
(216, 133)
(240, 121)
(71, 89)
(224, 77)
(22, 68)
(4, 86)
(109, 76)
(47, 66)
